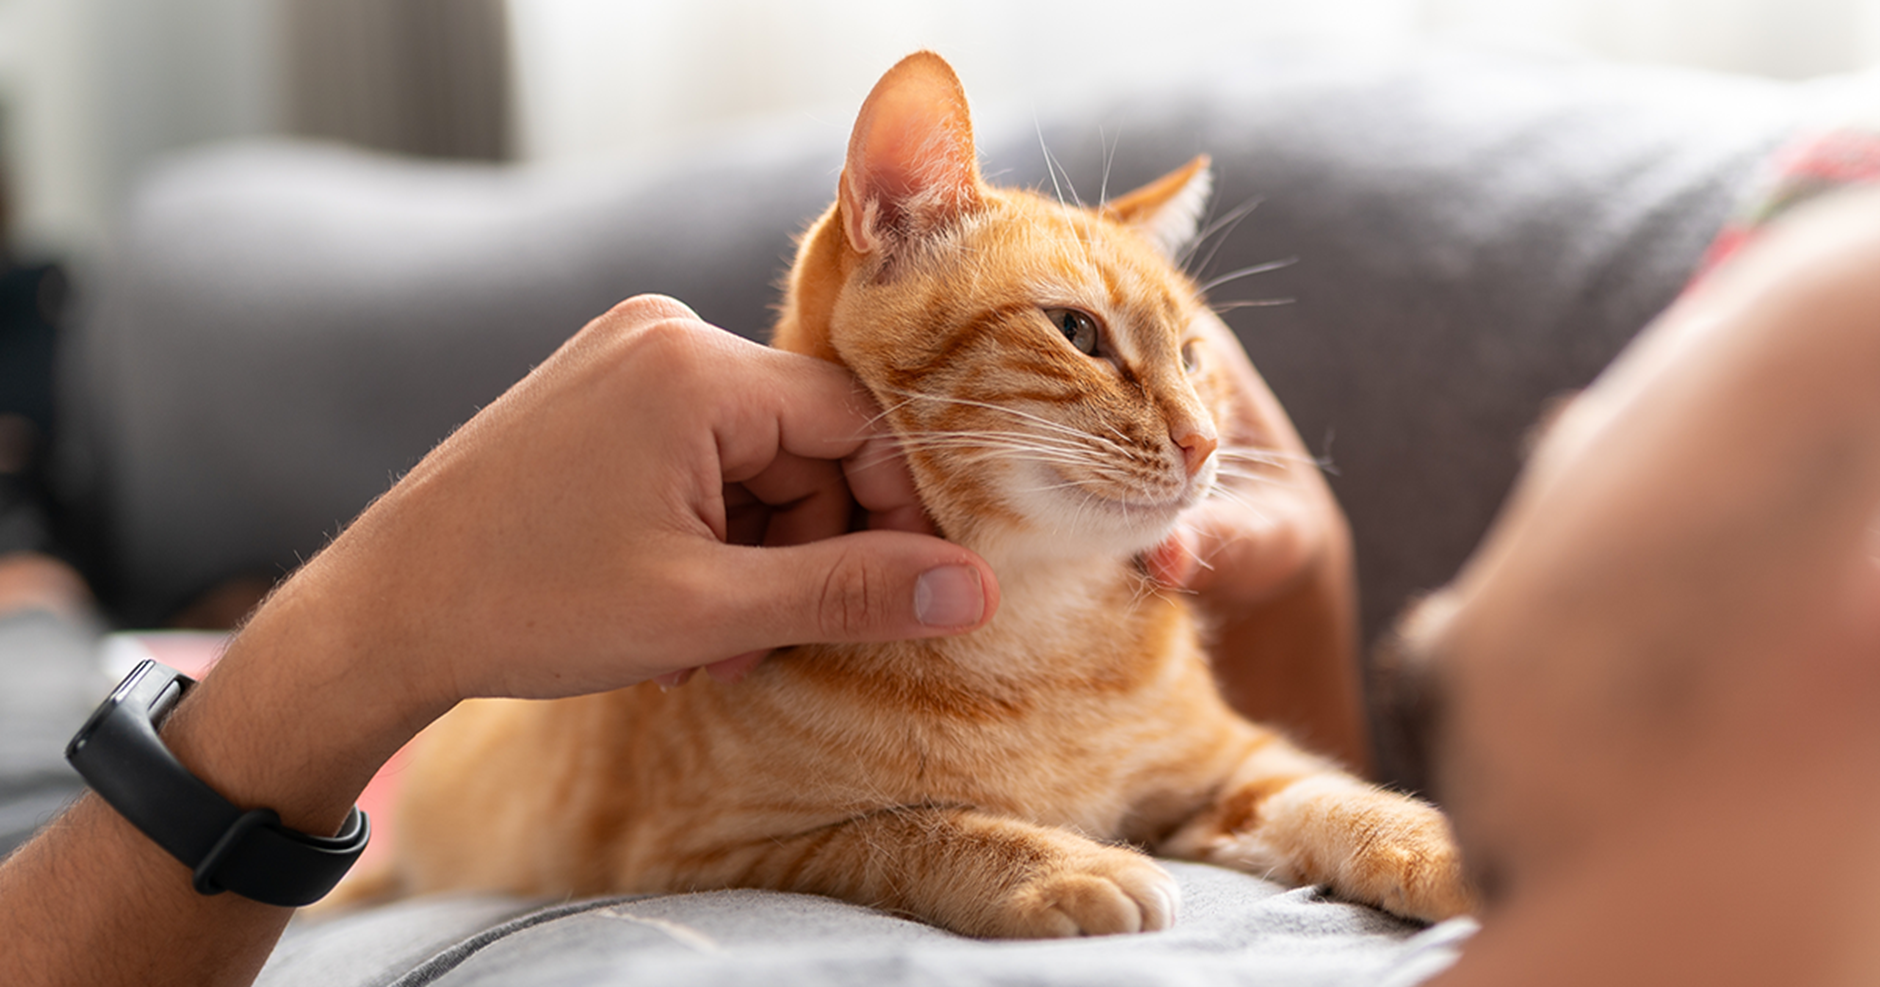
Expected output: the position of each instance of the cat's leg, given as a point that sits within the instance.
(968, 871)
(1293, 817)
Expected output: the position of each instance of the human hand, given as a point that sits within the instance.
(659, 495)
(1271, 516)
(1268, 557)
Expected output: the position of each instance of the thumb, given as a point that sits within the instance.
(867, 586)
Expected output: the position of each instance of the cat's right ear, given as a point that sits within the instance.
(911, 167)
(1167, 210)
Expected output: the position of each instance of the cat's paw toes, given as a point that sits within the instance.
(1425, 878)
(1368, 845)
(1412, 867)
(1114, 893)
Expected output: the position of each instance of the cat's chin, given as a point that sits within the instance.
(1067, 520)
(1103, 530)
(1015, 550)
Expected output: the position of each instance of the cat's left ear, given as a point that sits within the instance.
(911, 167)
(1167, 210)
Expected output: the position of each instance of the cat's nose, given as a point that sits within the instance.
(1197, 445)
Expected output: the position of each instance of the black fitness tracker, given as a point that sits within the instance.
(120, 756)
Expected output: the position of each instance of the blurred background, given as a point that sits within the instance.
(91, 91)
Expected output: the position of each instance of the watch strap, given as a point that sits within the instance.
(249, 852)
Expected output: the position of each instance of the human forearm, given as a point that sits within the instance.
(1291, 661)
(287, 720)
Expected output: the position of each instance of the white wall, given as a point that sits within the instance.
(1781, 38)
(51, 133)
(610, 76)
(94, 89)
(597, 76)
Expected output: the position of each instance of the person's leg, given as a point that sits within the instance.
(1661, 729)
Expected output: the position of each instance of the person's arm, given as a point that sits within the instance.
(1270, 563)
(659, 495)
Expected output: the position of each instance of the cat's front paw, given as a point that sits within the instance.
(1413, 869)
(1105, 892)
(1373, 846)
(1366, 844)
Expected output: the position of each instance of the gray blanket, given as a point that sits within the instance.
(1234, 929)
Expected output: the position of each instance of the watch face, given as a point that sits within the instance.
(117, 697)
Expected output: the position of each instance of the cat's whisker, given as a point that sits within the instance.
(974, 433)
(1050, 166)
(1225, 226)
(1234, 498)
(873, 462)
(1251, 467)
(1223, 308)
(1066, 485)
(1026, 415)
(1224, 493)
(889, 410)
(972, 438)
(995, 441)
(1253, 478)
(1109, 158)
(1245, 272)
(978, 454)
(1054, 168)
(1266, 456)
(1257, 457)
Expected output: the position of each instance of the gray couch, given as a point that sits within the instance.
(282, 329)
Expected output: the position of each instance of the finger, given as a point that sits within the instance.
(1234, 548)
(811, 499)
(1173, 563)
(869, 586)
(912, 519)
(673, 680)
(746, 518)
(811, 519)
(789, 403)
(735, 668)
(879, 477)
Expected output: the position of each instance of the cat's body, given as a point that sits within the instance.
(1042, 366)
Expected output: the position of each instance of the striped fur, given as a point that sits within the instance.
(1004, 783)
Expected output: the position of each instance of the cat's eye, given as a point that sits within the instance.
(1191, 357)
(1078, 328)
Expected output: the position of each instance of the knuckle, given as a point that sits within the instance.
(642, 309)
(672, 349)
(647, 325)
(850, 599)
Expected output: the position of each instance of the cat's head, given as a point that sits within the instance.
(1040, 361)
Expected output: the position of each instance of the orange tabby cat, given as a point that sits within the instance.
(1042, 367)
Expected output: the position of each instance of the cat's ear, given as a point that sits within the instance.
(911, 167)
(1167, 210)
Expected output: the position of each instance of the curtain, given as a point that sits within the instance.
(425, 77)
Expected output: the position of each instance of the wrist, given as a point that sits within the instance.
(299, 713)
